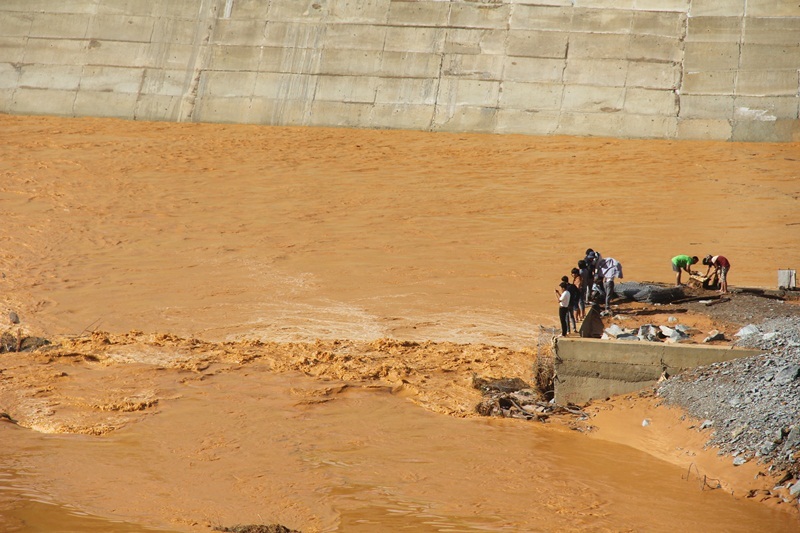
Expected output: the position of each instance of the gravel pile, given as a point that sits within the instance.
(751, 404)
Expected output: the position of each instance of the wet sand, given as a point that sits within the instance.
(254, 241)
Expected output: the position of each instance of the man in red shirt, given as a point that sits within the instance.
(721, 266)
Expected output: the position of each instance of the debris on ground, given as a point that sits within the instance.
(19, 342)
(257, 528)
(513, 398)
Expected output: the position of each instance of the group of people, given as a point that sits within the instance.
(592, 283)
(720, 265)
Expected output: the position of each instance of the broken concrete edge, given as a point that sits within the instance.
(587, 369)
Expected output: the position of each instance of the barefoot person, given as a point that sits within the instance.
(681, 263)
(721, 266)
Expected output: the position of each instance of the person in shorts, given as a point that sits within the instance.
(721, 266)
(578, 281)
(681, 263)
(574, 296)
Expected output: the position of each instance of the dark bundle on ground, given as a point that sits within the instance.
(258, 528)
(648, 292)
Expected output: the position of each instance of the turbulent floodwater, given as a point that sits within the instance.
(263, 272)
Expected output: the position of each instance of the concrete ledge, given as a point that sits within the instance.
(593, 368)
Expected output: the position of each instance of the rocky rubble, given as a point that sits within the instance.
(752, 404)
(513, 398)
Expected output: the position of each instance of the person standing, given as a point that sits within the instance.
(592, 259)
(563, 308)
(579, 282)
(586, 280)
(574, 297)
(681, 263)
(609, 268)
(721, 266)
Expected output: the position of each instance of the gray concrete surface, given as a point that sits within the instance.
(674, 69)
(596, 369)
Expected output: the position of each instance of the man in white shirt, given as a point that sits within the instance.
(609, 268)
(563, 308)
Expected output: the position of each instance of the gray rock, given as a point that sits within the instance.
(792, 440)
(714, 335)
(614, 331)
(787, 374)
(746, 331)
(13, 317)
(677, 336)
(767, 448)
(739, 461)
(794, 490)
(648, 330)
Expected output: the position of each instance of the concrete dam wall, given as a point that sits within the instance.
(668, 69)
(589, 369)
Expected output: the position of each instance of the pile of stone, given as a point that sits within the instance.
(751, 406)
(651, 333)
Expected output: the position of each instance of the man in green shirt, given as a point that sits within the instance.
(681, 263)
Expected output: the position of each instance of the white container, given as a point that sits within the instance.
(787, 279)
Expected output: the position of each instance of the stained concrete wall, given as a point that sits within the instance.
(687, 69)
(594, 368)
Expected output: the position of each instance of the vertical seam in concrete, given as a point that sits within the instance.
(154, 15)
(314, 33)
(139, 92)
(627, 68)
(682, 72)
(432, 122)
(320, 32)
(502, 86)
(562, 84)
(83, 67)
(734, 89)
(18, 66)
(206, 18)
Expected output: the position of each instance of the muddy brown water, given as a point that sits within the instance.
(246, 233)
(364, 460)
